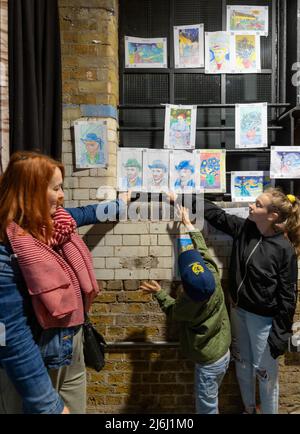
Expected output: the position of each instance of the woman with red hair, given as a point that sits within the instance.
(47, 283)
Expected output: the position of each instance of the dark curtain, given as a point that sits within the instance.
(35, 76)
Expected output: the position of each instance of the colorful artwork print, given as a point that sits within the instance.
(90, 144)
(180, 127)
(130, 169)
(145, 52)
(189, 46)
(156, 170)
(285, 162)
(182, 171)
(218, 48)
(251, 125)
(254, 19)
(246, 186)
(246, 53)
(211, 172)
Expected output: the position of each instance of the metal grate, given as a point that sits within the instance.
(146, 88)
(248, 88)
(197, 89)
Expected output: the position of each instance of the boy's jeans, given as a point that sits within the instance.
(251, 352)
(208, 379)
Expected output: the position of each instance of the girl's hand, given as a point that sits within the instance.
(125, 196)
(171, 196)
(150, 287)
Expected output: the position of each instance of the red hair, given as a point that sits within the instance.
(23, 194)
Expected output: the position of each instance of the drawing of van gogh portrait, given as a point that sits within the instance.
(145, 52)
(285, 162)
(210, 166)
(246, 53)
(90, 144)
(217, 52)
(182, 171)
(252, 19)
(246, 186)
(189, 46)
(180, 127)
(251, 126)
(156, 170)
(130, 166)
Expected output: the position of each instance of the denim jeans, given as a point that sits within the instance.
(251, 352)
(208, 379)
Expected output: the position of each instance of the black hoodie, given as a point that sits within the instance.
(263, 273)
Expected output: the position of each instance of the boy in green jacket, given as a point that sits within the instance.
(204, 324)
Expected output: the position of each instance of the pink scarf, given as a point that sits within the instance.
(59, 276)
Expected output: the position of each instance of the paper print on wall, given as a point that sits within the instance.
(246, 53)
(145, 52)
(189, 46)
(210, 170)
(218, 50)
(251, 125)
(285, 162)
(182, 243)
(246, 186)
(130, 169)
(252, 19)
(182, 171)
(180, 126)
(91, 144)
(156, 170)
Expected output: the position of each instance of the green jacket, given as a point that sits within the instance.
(204, 326)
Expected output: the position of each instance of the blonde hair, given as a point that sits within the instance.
(288, 213)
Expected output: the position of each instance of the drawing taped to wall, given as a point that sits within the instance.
(189, 46)
(145, 52)
(251, 125)
(252, 19)
(246, 186)
(246, 53)
(91, 144)
(182, 171)
(180, 126)
(210, 170)
(285, 162)
(218, 51)
(156, 170)
(130, 169)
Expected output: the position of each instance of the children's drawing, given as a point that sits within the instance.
(182, 171)
(156, 170)
(285, 162)
(218, 50)
(252, 19)
(180, 126)
(189, 46)
(251, 125)
(145, 52)
(210, 170)
(246, 53)
(130, 169)
(90, 143)
(246, 186)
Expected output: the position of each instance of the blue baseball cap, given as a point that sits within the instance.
(197, 280)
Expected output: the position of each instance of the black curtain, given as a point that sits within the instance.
(35, 104)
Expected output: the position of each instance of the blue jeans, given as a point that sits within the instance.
(251, 352)
(208, 379)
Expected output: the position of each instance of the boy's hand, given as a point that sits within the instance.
(151, 287)
(184, 215)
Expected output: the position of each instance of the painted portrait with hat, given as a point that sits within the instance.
(90, 144)
(156, 168)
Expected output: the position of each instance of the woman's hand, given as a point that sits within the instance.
(171, 196)
(184, 216)
(150, 287)
(125, 196)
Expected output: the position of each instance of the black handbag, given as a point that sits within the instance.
(93, 346)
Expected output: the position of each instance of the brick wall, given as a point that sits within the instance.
(137, 378)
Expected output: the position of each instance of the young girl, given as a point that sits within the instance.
(263, 287)
(47, 282)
